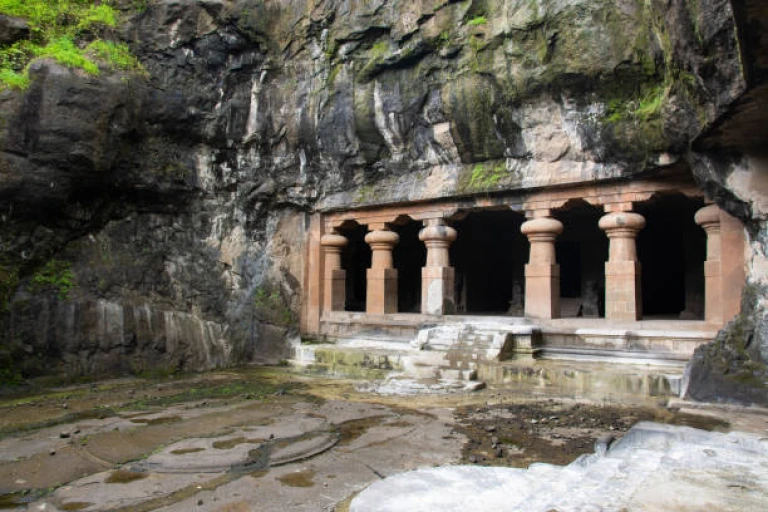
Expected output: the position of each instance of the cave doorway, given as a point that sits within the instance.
(489, 256)
(409, 256)
(671, 250)
(355, 259)
(582, 250)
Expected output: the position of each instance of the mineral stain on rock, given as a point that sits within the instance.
(122, 476)
(302, 478)
(228, 444)
(186, 451)
(75, 505)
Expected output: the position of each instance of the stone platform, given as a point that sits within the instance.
(578, 357)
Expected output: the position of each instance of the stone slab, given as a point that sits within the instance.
(654, 467)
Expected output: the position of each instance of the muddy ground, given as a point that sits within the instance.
(267, 439)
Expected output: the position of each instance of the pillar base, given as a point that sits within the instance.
(381, 297)
(542, 291)
(437, 290)
(622, 291)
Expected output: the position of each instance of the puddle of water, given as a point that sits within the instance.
(163, 420)
(228, 444)
(185, 451)
(11, 500)
(75, 505)
(352, 429)
(122, 476)
(301, 478)
(692, 420)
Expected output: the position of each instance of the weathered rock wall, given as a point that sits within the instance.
(179, 201)
(734, 368)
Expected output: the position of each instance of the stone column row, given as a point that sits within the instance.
(437, 296)
(623, 294)
(623, 297)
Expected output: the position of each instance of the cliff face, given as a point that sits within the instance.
(163, 218)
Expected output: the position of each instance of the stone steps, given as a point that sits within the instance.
(589, 359)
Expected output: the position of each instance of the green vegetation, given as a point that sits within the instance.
(486, 176)
(70, 32)
(270, 307)
(54, 276)
(255, 389)
(477, 21)
(365, 194)
(646, 107)
(379, 49)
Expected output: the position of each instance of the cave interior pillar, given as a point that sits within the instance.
(437, 276)
(334, 291)
(381, 295)
(542, 273)
(623, 297)
(709, 219)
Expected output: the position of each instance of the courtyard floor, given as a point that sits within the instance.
(267, 439)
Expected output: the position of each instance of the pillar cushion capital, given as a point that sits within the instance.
(381, 237)
(622, 221)
(542, 225)
(445, 233)
(708, 216)
(333, 240)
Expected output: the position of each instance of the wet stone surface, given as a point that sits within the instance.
(267, 439)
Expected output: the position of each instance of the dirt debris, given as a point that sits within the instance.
(517, 435)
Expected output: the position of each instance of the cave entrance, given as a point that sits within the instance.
(672, 249)
(355, 259)
(409, 256)
(489, 256)
(582, 250)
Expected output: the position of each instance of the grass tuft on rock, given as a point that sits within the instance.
(74, 33)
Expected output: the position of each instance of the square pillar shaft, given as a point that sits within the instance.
(623, 300)
(437, 290)
(335, 290)
(381, 296)
(542, 290)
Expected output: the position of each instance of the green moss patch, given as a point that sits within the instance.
(71, 32)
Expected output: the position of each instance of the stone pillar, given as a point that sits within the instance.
(542, 273)
(709, 219)
(381, 297)
(334, 294)
(437, 277)
(623, 297)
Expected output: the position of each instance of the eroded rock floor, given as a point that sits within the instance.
(269, 440)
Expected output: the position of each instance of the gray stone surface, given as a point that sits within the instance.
(654, 467)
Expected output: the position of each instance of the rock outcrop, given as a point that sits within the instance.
(175, 205)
